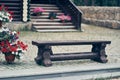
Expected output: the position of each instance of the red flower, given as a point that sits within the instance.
(2, 43)
(18, 33)
(4, 50)
(8, 43)
(13, 48)
(0, 8)
(22, 45)
(10, 12)
(10, 17)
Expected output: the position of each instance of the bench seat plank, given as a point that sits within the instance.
(75, 42)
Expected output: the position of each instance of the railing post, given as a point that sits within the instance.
(78, 21)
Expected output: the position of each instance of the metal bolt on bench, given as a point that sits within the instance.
(45, 55)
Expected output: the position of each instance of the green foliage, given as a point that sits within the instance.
(52, 15)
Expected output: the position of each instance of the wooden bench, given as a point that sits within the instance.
(45, 54)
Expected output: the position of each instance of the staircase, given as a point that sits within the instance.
(15, 6)
(43, 24)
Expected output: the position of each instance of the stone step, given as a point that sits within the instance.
(11, 4)
(54, 27)
(17, 19)
(16, 13)
(52, 24)
(46, 8)
(16, 16)
(49, 11)
(14, 8)
(43, 1)
(57, 30)
(42, 5)
(45, 20)
(9, 0)
(40, 17)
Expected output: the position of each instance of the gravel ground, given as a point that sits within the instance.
(90, 33)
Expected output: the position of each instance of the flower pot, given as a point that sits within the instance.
(10, 58)
(52, 15)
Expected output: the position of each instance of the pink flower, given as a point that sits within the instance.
(1, 8)
(38, 9)
(64, 17)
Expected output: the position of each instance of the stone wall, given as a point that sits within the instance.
(101, 16)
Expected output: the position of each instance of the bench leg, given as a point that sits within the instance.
(42, 56)
(38, 59)
(100, 50)
(46, 59)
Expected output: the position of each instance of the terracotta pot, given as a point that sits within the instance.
(10, 58)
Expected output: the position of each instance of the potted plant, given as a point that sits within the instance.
(5, 15)
(52, 15)
(38, 11)
(10, 46)
(64, 18)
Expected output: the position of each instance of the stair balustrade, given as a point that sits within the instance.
(69, 8)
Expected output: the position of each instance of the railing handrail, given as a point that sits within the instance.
(76, 7)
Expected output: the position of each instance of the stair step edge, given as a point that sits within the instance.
(54, 27)
(56, 30)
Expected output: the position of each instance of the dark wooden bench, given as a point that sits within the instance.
(45, 54)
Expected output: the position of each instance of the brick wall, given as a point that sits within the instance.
(101, 16)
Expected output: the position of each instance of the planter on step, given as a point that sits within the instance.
(52, 15)
(38, 11)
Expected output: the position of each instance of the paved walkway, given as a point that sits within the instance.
(90, 33)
